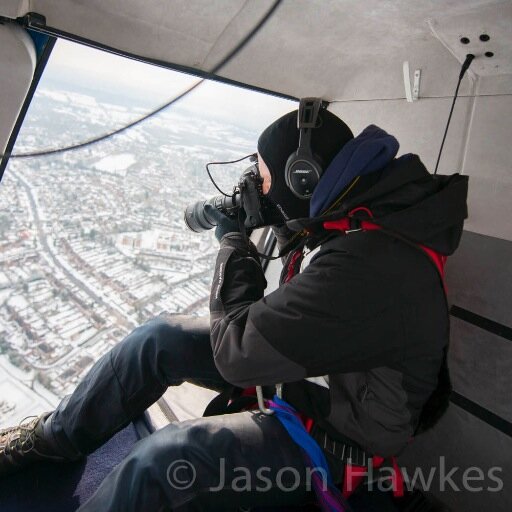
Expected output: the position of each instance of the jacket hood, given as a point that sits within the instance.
(370, 151)
(407, 202)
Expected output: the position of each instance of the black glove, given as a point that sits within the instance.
(225, 224)
(283, 234)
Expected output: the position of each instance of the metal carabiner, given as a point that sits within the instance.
(261, 401)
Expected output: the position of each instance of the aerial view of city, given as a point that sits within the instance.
(92, 242)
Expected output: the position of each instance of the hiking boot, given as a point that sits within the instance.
(23, 445)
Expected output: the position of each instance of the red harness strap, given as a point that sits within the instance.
(354, 475)
(439, 261)
(344, 225)
(292, 264)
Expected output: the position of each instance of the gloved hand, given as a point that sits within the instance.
(225, 224)
(283, 234)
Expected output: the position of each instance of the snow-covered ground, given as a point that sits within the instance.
(20, 398)
(115, 163)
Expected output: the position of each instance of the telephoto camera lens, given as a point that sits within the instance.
(198, 220)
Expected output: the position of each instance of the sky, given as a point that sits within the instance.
(99, 69)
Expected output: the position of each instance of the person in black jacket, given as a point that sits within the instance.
(357, 331)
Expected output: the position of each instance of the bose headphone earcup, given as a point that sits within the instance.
(289, 163)
(302, 174)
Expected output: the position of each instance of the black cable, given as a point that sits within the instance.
(95, 140)
(465, 67)
(223, 163)
(288, 247)
(166, 105)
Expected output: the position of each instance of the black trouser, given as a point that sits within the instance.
(216, 463)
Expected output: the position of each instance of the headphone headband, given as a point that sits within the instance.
(303, 171)
(307, 119)
(307, 116)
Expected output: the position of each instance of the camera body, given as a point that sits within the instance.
(247, 195)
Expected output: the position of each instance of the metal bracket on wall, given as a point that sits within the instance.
(411, 93)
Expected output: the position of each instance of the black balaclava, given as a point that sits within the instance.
(280, 139)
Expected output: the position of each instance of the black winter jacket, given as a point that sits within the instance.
(369, 312)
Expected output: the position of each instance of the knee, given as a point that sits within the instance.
(163, 329)
(151, 457)
(168, 459)
(156, 335)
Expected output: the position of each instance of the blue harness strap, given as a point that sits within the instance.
(329, 497)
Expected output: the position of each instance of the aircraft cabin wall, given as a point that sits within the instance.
(18, 62)
(479, 278)
(477, 430)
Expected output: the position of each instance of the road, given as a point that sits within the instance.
(55, 260)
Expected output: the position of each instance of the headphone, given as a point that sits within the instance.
(303, 170)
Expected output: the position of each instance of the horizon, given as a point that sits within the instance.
(152, 86)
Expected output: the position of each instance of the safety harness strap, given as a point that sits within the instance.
(350, 224)
(355, 473)
(329, 497)
(299, 426)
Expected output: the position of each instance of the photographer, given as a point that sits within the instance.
(357, 331)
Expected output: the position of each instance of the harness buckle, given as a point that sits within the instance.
(354, 225)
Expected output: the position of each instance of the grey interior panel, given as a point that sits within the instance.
(418, 126)
(464, 442)
(481, 367)
(340, 50)
(181, 403)
(17, 54)
(488, 163)
(479, 277)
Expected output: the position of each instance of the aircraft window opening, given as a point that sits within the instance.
(225, 60)
(92, 242)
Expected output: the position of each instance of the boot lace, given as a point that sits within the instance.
(20, 438)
